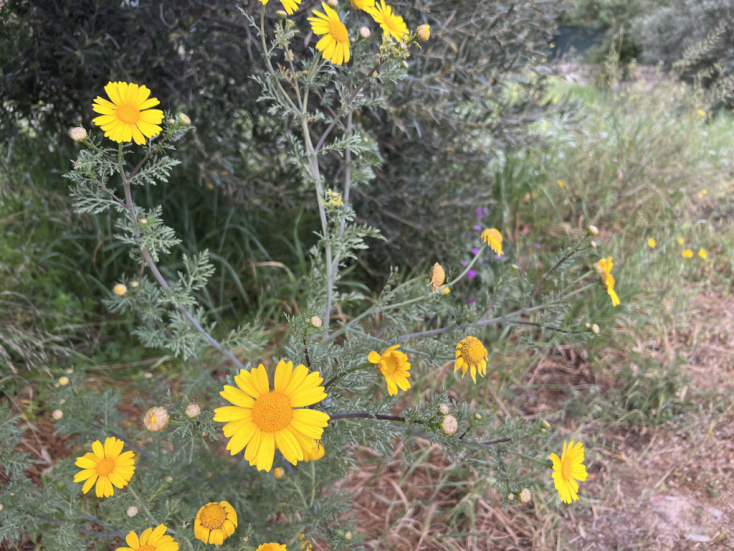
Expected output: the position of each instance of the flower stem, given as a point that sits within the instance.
(544, 462)
(343, 373)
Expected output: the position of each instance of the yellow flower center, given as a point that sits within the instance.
(272, 412)
(213, 516)
(152, 419)
(472, 351)
(392, 364)
(146, 547)
(106, 466)
(128, 114)
(338, 31)
(565, 469)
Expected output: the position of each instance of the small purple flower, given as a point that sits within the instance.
(464, 263)
(472, 301)
(486, 210)
(498, 256)
(537, 245)
(475, 252)
(471, 274)
(477, 228)
(479, 212)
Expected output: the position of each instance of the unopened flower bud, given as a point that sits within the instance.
(70, 371)
(171, 121)
(134, 284)
(593, 230)
(444, 409)
(279, 473)
(169, 479)
(525, 496)
(593, 244)
(588, 325)
(184, 118)
(193, 410)
(364, 32)
(316, 322)
(120, 289)
(62, 401)
(57, 414)
(280, 14)
(405, 64)
(511, 497)
(449, 425)
(143, 221)
(423, 32)
(545, 424)
(595, 329)
(403, 46)
(156, 419)
(63, 381)
(78, 134)
(132, 511)
(348, 536)
(332, 3)
(478, 416)
(204, 434)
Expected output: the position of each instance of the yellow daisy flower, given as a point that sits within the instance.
(687, 253)
(470, 353)
(288, 5)
(652, 243)
(106, 466)
(391, 23)
(215, 522)
(568, 469)
(561, 183)
(702, 254)
(261, 418)
(394, 365)
(272, 547)
(681, 241)
(364, 5)
(129, 115)
(316, 452)
(335, 42)
(493, 238)
(150, 540)
(604, 268)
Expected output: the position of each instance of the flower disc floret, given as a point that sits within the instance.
(493, 238)
(150, 540)
(394, 366)
(334, 44)
(215, 522)
(106, 466)
(261, 419)
(568, 469)
(391, 23)
(470, 353)
(128, 116)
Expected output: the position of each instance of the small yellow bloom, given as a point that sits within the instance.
(391, 23)
(702, 254)
(364, 5)
(493, 238)
(63, 381)
(215, 522)
(681, 241)
(335, 40)
(57, 414)
(156, 419)
(437, 275)
(128, 117)
(315, 453)
(568, 469)
(106, 466)
(470, 353)
(444, 291)
(687, 253)
(120, 289)
(394, 366)
(561, 184)
(652, 243)
(272, 547)
(704, 191)
(149, 540)
(604, 269)
(701, 112)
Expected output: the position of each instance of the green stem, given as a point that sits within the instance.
(544, 462)
(343, 373)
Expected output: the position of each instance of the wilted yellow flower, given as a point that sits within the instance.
(394, 366)
(334, 44)
(261, 419)
(652, 243)
(437, 275)
(156, 419)
(106, 466)
(604, 268)
(120, 289)
(424, 33)
(149, 540)
(215, 522)
(470, 353)
(567, 470)
(702, 254)
(687, 253)
(128, 117)
(391, 23)
(493, 238)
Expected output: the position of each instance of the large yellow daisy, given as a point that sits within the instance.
(106, 466)
(150, 540)
(470, 353)
(261, 418)
(391, 23)
(129, 115)
(604, 268)
(215, 522)
(568, 469)
(335, 42)
(394, 366)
